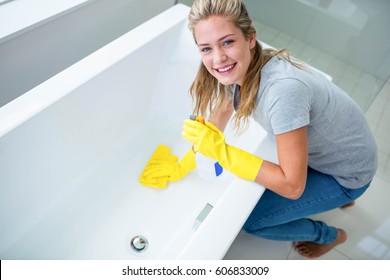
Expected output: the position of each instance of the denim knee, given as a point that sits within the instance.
(249, 228)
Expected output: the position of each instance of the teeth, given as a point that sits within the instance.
(227, 68)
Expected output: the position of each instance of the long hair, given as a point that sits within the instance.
(205, 89)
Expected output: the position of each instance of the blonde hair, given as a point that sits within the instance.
(206, 89)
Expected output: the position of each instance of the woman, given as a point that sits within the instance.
(326, 152)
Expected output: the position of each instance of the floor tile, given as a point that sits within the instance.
(249, 247)
(268, 34)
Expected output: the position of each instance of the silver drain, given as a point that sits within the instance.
(139, 243)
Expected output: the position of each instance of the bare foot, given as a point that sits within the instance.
(315, 250)
(352, 203)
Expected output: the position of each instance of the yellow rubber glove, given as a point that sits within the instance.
(168, 169)
(210, 141)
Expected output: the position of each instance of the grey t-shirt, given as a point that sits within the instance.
(340, 141)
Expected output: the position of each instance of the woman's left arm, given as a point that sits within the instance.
(288, 178)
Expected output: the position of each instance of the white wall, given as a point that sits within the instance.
(33, 57)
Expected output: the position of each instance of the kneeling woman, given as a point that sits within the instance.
(327, 154)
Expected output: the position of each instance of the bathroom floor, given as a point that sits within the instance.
(367, 223)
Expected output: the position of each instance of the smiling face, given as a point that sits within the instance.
(225, 52)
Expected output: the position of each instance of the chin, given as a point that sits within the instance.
(226, 82)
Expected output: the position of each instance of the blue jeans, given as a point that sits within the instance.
(279, 218)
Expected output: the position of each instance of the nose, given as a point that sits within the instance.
(219, 56)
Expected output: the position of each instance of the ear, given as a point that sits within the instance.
(252, 41)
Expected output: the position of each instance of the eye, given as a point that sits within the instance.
(205, 50)
(228, 42)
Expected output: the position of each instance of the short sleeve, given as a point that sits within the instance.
(288, 102)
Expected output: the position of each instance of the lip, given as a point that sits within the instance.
(226, 69)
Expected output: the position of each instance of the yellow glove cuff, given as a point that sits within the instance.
(188, 162)
(242, 163)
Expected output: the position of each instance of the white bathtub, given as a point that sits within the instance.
(72, 150)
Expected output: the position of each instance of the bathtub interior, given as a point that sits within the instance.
(69, 183)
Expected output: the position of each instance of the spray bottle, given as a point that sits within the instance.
(207, 168)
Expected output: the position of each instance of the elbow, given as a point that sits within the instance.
(295, 195)
(295, 191)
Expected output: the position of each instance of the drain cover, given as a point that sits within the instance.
(139, 243)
